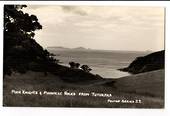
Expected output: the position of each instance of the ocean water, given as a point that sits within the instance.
(102, 62)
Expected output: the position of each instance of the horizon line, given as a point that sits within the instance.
(104, 49)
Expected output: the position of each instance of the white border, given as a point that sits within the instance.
(20, 111)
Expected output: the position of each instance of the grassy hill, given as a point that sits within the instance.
(150, 62)
(149, 83)
(147, 87)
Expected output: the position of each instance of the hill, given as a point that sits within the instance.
(153, 61)
(65, 48)
(148, 83)
(57, 48)
(147, 87)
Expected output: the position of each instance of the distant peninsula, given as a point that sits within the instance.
(65, 48)
(150, 62)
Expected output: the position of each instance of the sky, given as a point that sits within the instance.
(128, 28)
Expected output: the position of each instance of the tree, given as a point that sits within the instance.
(20, 48)
(77, 65)
(86, 68)
(74, 65)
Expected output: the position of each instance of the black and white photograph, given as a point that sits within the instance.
(83, 56)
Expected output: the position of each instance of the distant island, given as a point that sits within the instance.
(65, 48)
(61, 48)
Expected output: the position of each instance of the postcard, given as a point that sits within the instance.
(83, 56)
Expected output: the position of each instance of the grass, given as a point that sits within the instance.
(126, 88)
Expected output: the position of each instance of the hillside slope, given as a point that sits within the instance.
(148, 84)
(147, 87)
(153, 61)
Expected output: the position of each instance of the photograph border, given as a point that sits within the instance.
(100, 111)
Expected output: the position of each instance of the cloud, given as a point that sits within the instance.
(111, 27)
(34, 7)
(73, 9)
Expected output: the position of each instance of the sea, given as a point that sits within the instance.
(102, 62)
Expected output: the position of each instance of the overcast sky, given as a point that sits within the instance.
(97, 27)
